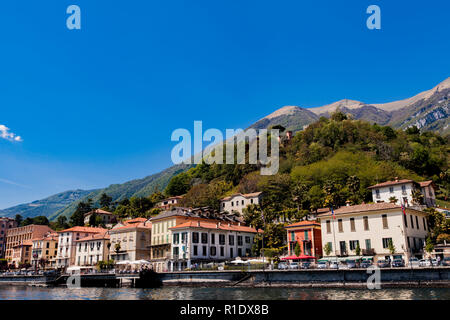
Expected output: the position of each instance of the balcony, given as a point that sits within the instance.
(341, 253)
(368, 252)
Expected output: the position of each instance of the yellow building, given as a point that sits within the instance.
(44, 250)
(162, 235)
(130, 241)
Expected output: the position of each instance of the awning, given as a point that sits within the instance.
(298, 258)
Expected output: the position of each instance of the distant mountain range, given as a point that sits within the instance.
(45, 206)
(427, 110)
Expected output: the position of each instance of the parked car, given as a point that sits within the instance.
(435, 262)
(424, 263)
(351, 264)
(306, 265)
(365, 264)
(398, 263)
(333, 265)
(322, 265)
(383, 263)
(293, 265)
(413, 262)
(446, 261)
(282, 266)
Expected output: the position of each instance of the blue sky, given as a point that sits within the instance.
(98, 105)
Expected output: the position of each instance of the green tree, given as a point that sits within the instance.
(391, 247)
(358, 249)
(18, 219)
(327, 248)
(297, 250)
(429, 245)
(77, 218)
(105, 201)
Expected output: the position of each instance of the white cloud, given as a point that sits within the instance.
(8, 135)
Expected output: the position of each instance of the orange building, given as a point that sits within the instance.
(308, 235)
(18, 236)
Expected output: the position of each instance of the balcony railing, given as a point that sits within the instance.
(368, 252)
(341, 253)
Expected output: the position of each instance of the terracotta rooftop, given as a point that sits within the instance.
(211, 225)
(391, 183)
(95, 236)
(98, 211)
(131, 226)
(83, 229)
(246, 195)
(426, 183)
(362, 208)
(135, 220)
(303, 224)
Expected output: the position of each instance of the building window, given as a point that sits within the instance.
(391, 189)
(386, 242)
(195, 237)
(366, 223)
(195, 250)
(212, 251)
(213, 238)
(352, 224)
(204, 238)
(412, 222)
(403, 189)
(231, 253)
(377, 193)
(242, 202)
(340, 226)
(239, 252)
(176, 238)
(409, 243)
(353, 244)
(231, 240)
(417, 222)
(222, 239)
(222, 252)
(385, 221)
(239, 240)
(368, 244)
(328, 226)
(424, 224)
(247, 239)
(204, 252)
(330, 245)
(405, 219)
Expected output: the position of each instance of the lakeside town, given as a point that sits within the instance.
(391, 231)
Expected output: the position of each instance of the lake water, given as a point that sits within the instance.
(190, 293)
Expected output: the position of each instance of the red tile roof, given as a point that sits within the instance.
(98, 211)
(362, 208)
(95, 236)
(247, 195)
(135, 220)
(211, 225)
(304, 224)
(131, 226)
(391, 183)
(83, 229)
(426, 183)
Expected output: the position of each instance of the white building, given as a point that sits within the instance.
(402, 190)
(107, 218)
(373, 226)
(67, 244)
(92, 249)
(131, 241)
(239, 201)
(166, 204)
(204, 242)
